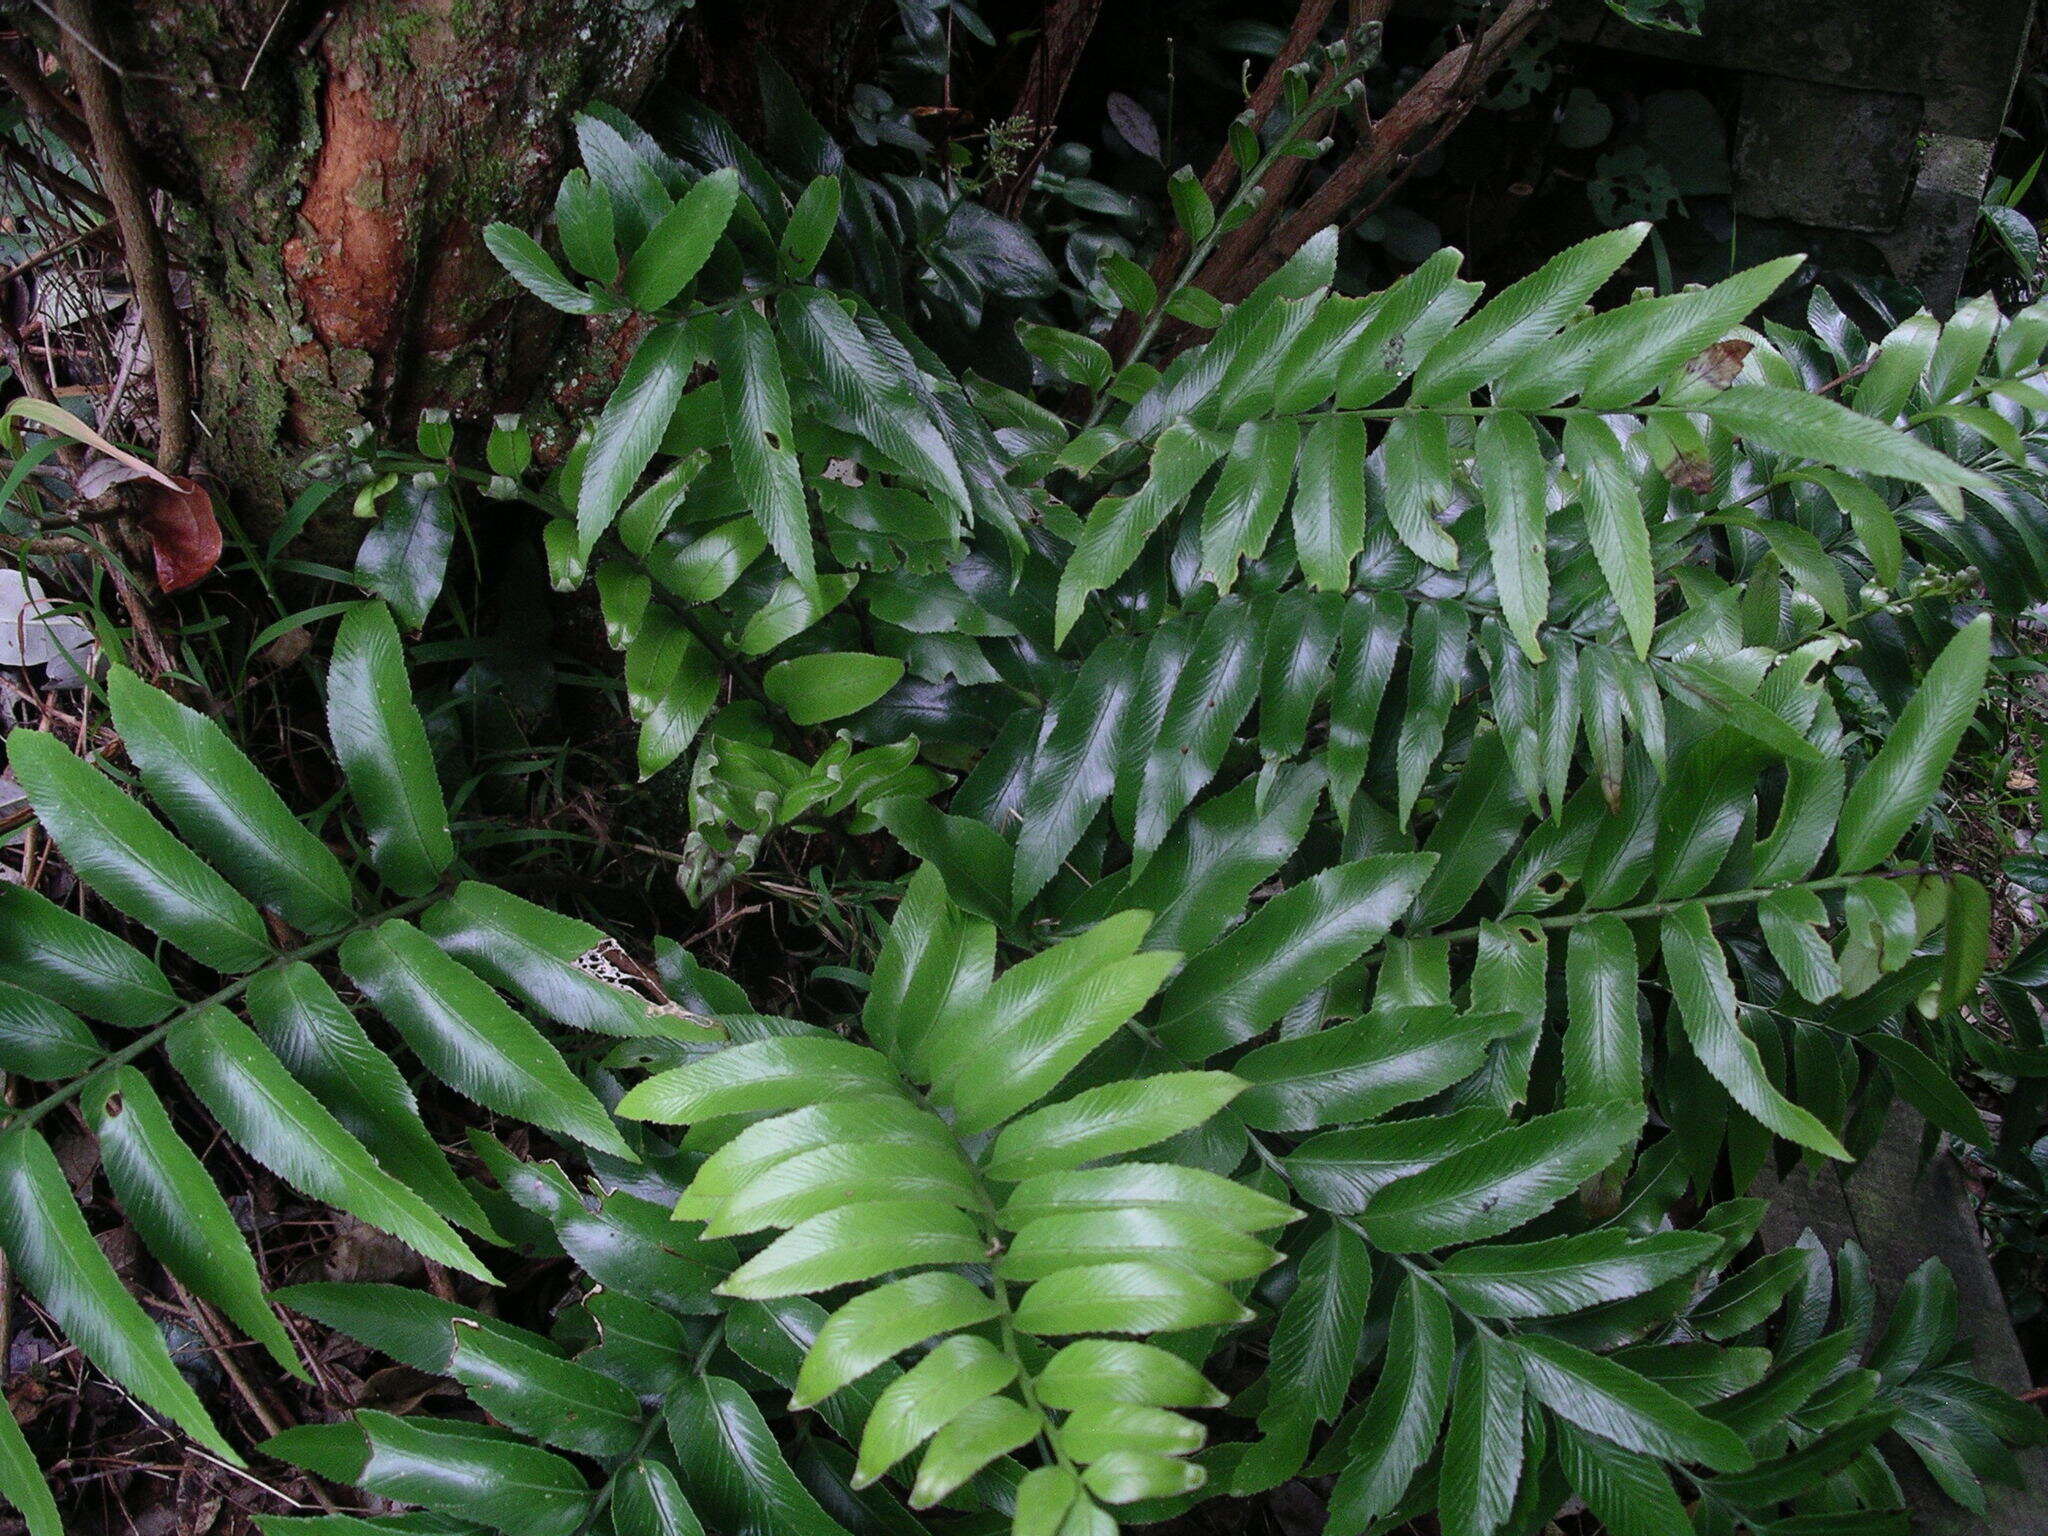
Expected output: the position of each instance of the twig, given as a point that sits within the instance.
(51, 252)
(1444, 96)
(21, 76)
(141, 241)
(1068, 24)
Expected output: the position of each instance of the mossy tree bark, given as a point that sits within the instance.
(334, 166)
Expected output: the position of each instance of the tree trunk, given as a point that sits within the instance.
(334, 167)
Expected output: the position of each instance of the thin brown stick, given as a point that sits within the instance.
(1440, 100)
(142, 242)
(1222, 173)
(52, 252)
(1068, 24)
(21, 76)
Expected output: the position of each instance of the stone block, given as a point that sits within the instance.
(1824, 155)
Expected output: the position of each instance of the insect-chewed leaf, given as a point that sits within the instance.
(470, 1039)
(173, 1204)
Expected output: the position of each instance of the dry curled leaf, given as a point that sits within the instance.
(183, 534)
(1719, 366)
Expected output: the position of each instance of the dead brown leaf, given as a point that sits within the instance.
(183, 534)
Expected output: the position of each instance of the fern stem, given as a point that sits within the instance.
(1198, 256)
(604, 1494)
(1664, 908)
(24, 1118)
(999, 1291)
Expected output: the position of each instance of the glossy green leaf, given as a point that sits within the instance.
(731, 1468)
(296, 1014)
(22, 1484)
(879, 1324)
(1905, 776)
(175, 1207)
(1342, 1170)
(782, 1072)
(857, 1242)
(763, 442)
(1483, 1446)
(79, 965)
(378, 736)
(923, 1400)
(813, 689)
(1316, 1337)
(42, 1039)
(1631, 1494)
(1517, 320)
(1398, 1429)
(1608, 1399)
(1614, 522)
(1603, 1038)
(454, 1472)
(1514, 481)
(127, 856)
(678, 246)
(1126, 1297)
(1556, 1275)
(1295, 942)
(1706, 1007)
(280, 1124)
(1093, 1371)
(1329, 501)
(227, 810)
(555, 1401)
(1108, 1119)
(469, 1038)
(1508, 1179)
(1074, 769)
(1360, 1069)
(648, 1501)
(1814, 427)
(56, 1260)
(630, 427)
(535, 270)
